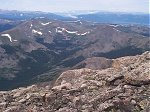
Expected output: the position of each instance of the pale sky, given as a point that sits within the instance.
(71, 5)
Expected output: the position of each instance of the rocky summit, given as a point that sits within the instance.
(122, 87)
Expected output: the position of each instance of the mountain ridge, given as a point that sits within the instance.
(121, 87)
(94, 16)
(43, 46)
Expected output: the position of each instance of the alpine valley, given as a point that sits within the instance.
(36, 47)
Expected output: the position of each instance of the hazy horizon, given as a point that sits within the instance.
(127, 6)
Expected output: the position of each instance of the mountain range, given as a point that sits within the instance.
(94, 16)
(39, 49)
(86, 61)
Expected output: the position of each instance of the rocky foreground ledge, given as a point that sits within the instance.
(124, 87)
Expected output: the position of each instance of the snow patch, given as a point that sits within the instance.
(44, 24)
(31, 26)
(61, 30)
(113, 25)
(15, 40)
(84, 33)
(71, 32)
(77, 21)
(37, 32)
(9, 37)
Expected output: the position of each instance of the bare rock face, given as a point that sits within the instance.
(124, 87)
(137, 74)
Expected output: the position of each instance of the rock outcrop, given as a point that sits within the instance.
(124, 87)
